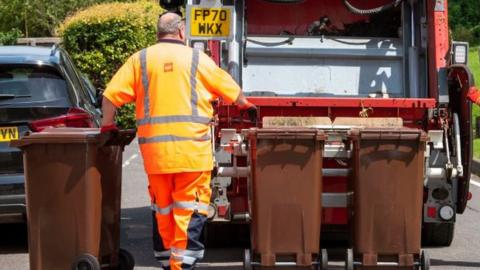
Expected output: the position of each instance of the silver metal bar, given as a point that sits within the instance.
(321, 52)
(440, 173)
(447, 146)
(283, 263)
(335, 172)
(234, 45)
(412, 22)
(386, 264)
(244, 172)
(432, 173)
(335, 200)
(413, 67)
(233, 171)
(339, 151)
(241, 217)
(456, 128)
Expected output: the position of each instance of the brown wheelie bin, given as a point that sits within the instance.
(73, 188)
(388, 176)
(285, 197)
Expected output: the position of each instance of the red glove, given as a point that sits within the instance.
(474, 95)
(251, 110)
(109, 128)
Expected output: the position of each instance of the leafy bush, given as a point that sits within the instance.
(102, 37)
(462, 33)
(38, 18)
(471, 35)
(10, 37)
(476, 35)
(463, 13)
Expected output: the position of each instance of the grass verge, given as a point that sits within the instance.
(474, 64)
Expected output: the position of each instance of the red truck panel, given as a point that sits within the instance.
(266, 18)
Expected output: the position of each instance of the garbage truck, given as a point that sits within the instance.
(334, 65)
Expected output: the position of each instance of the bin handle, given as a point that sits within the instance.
(121, 138)
(392, 136)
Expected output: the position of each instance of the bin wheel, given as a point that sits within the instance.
(322, 260)
(125, 260)
(247, 260)
(86, 262)
(424, 260)
(349, 259)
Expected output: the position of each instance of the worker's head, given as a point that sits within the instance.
(171, 25)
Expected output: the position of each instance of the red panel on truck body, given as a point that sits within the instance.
(266, 18)
(412, 111)
(438, 46)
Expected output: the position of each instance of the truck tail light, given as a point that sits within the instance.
(75, 117)
(432, 212)
(460, 52)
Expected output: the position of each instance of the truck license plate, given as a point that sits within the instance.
(8, 133)
(210, 22)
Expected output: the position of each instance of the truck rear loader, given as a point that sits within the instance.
(337, 65)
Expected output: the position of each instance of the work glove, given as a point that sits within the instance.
(109, 129)
(474, 95)
(251, 111)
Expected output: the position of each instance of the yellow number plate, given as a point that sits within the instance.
(210, 22)
(8, 133)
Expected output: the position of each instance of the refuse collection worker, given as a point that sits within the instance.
(173, 86)
(474, 95)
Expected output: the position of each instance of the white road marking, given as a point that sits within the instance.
(130, 159)
(475, 183)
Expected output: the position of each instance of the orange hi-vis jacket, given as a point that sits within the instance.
(173, 86)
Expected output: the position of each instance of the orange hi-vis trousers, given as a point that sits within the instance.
(180, 205)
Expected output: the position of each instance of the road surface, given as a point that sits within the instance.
(136, 230)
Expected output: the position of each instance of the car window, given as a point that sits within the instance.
(75, 77)
(20, 84)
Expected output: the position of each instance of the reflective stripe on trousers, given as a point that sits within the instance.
(179, 206)
(192, 205)
(163, 257)
(193, 118)
(185, 259)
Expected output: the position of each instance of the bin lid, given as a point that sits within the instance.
(402, 134)
(287, 132)
(75, 135)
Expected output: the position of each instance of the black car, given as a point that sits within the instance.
(39, 87)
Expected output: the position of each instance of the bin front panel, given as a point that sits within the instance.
(63, 204)
(286, 193)
(388, 195)
(109, 164)
(73, 187)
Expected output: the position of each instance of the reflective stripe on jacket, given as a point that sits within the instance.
(173, 86)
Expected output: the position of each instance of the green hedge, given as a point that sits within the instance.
(102, 37)
(471, 35)
(10, 37)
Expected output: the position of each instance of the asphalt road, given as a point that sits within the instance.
(136, 230)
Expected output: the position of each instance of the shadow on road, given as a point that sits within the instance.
(137, 230)
(136, 237)
(14, 238)
(437, 262)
